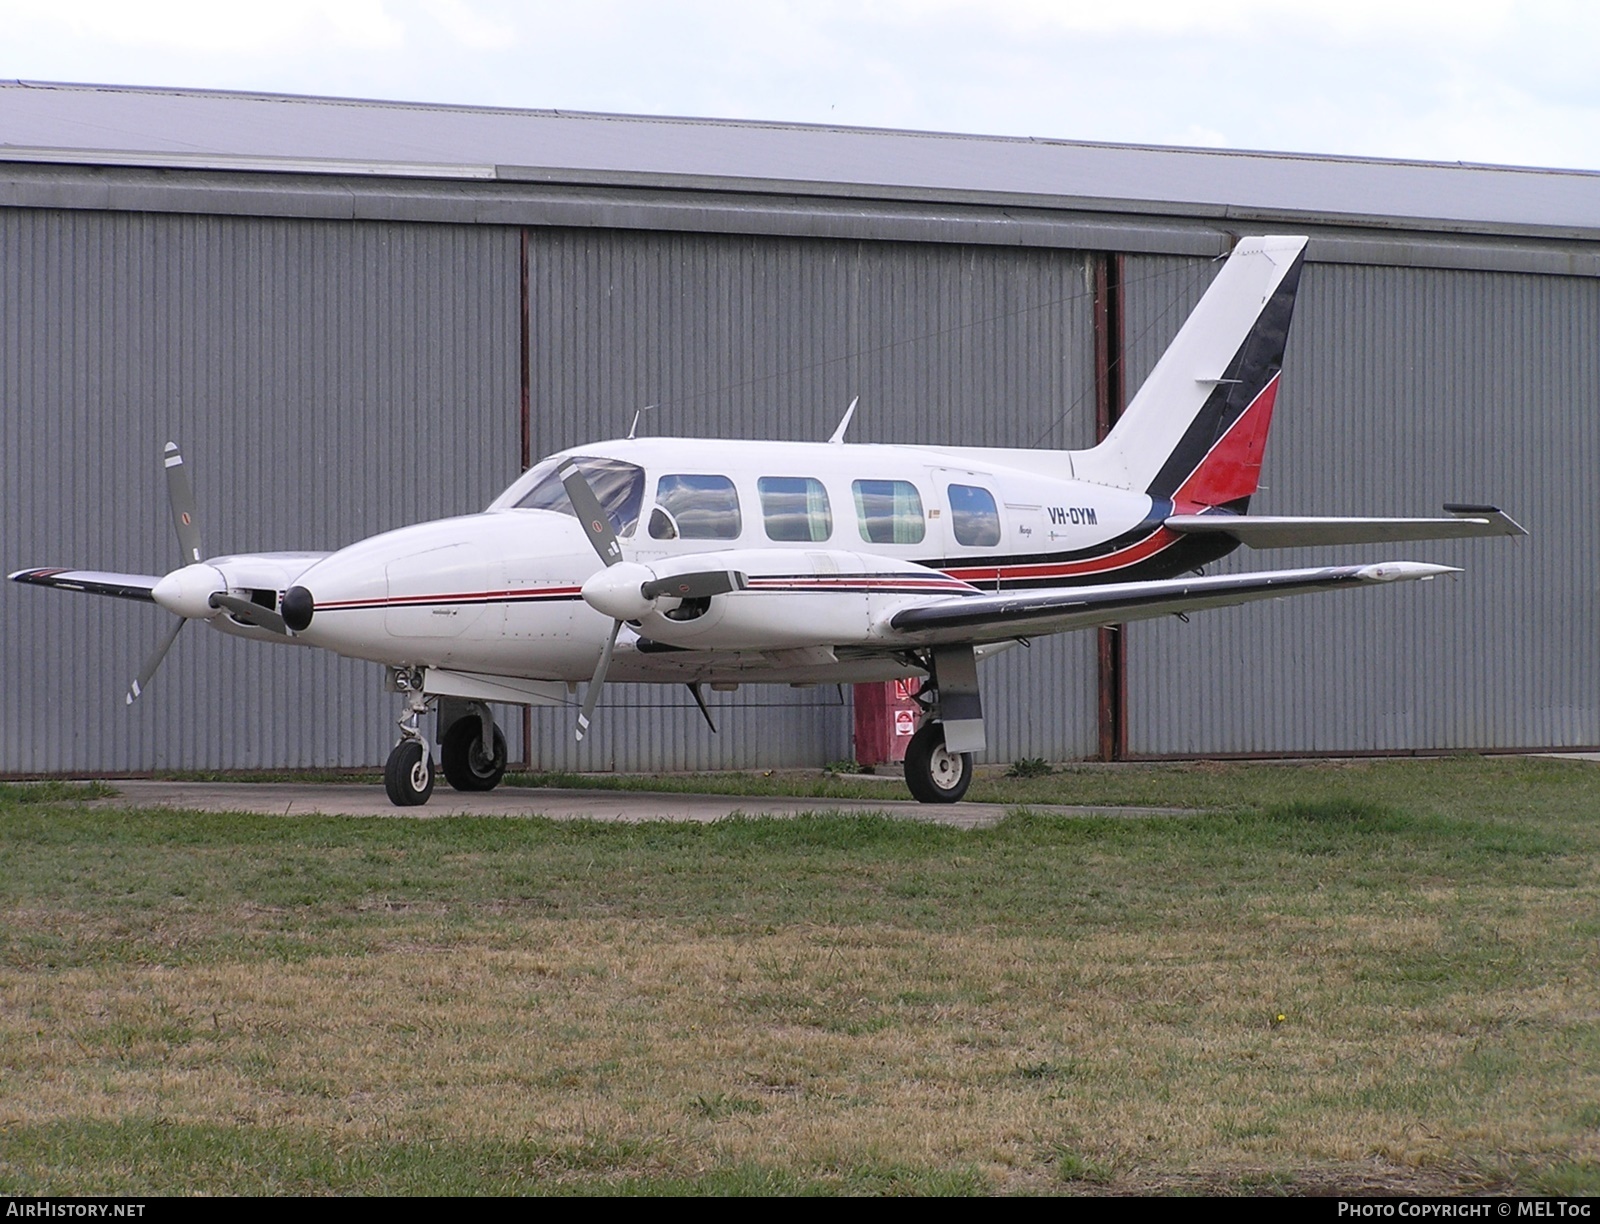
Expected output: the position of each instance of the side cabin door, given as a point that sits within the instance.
(967, 516)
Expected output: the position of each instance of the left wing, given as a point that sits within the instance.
(977, 619)
(96, 582)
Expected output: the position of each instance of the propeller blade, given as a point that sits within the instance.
(180, 494)
(596, 684)
(250, 613)
(596, 523)
(695, 586)
(149, 669)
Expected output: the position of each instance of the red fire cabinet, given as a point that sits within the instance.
(886, 718)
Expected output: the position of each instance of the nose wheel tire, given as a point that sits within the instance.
(461, 755)
(933, 773)
(408, 776)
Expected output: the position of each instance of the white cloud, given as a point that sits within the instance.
(199, 26)
(467, 26)
(1484, 80)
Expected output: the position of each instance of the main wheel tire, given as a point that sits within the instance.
(408, 776)
(461, 756)
(935, 774)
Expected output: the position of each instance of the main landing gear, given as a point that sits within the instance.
(472, 750)
(939, 756)
(467, 766)
(933, 772)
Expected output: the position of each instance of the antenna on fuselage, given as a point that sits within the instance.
(634, 428)
(838, 434)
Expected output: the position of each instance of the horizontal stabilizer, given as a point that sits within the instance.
(993, 618)
(96, 582)
(1285, 531)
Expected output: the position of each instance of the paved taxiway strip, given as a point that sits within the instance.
(301, 799)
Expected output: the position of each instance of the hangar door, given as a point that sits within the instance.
(762, 337)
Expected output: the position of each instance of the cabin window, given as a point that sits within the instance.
(974, 515)
(889, 511)
(696, 508)
(618, 485)
(795, 508)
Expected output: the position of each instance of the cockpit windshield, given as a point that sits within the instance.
(618, 485)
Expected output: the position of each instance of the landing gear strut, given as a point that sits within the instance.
(939, 756)
(408, 775)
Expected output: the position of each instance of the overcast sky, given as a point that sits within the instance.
(1448, 80)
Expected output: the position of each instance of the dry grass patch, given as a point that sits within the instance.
(1352, 997)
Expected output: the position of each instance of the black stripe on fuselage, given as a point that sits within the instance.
(1255, 365)
(1184, 554)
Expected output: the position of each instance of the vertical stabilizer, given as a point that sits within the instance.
(1196, 431)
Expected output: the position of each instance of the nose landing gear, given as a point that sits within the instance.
(472, 749)
(408, 775)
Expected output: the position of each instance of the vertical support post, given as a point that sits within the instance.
(1110, 397)
(525, 360)
(525, 377)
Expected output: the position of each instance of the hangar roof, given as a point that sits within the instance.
(116, 125)
(114, 148)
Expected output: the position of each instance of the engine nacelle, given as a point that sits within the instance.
(793, 598)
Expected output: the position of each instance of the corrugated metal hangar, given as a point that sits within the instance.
(356, 315)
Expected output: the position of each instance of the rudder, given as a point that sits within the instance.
(1197, 429)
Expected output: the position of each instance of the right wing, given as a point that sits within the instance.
(96, 582)
(977, 619)
(1293, 531)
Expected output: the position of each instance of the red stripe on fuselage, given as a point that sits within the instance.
(405, 601)
(1157, 541)
(1232, 467)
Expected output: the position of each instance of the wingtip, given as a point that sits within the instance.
(1406, 571)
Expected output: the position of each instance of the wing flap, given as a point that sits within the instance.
(993, 618)
(96, 582)
(1288, 531)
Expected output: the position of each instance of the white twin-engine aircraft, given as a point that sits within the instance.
(695, 562)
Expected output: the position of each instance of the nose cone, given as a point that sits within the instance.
(297, 608)
(616, 591)
(187, 591)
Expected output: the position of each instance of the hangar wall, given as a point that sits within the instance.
(331, 380)
(1403, 389)
(319, 375)
(334, 378)
(746, 337)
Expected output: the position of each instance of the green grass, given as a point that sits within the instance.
(829, 1004)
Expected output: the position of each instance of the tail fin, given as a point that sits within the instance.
(1195, 432)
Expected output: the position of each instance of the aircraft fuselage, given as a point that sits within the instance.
(832, 537)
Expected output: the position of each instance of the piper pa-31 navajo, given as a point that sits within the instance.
(695, 562)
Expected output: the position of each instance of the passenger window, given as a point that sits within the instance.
(975, 516)
(696, 508)
(618, 485)
(795, 508)
(889, 511)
